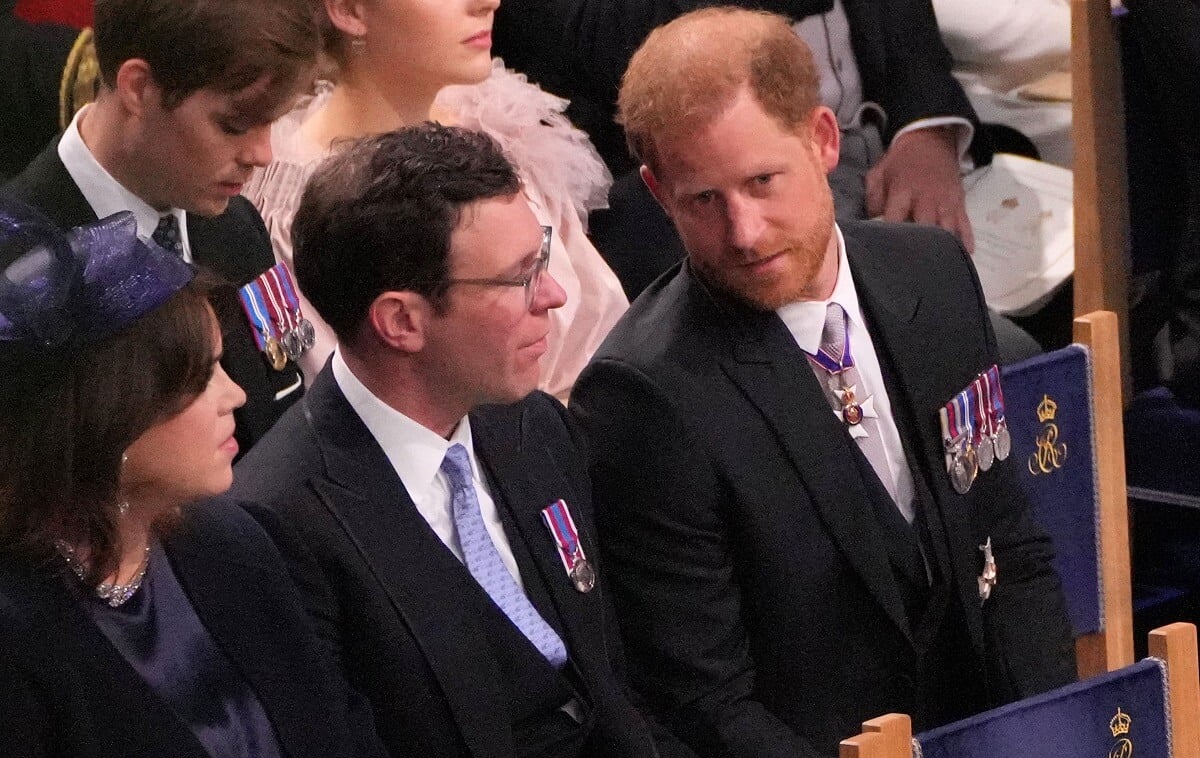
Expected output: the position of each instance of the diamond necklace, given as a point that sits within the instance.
(114, 594)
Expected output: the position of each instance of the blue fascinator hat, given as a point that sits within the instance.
(65, 290)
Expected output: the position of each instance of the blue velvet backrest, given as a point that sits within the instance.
(1121, 713)
(1048, 408)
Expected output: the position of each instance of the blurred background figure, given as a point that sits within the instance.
(47, 70)
(134, 620)
(1013, 59)
(395, 61)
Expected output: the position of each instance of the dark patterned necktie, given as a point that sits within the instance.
(166, 234)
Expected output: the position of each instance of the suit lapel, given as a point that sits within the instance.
(528, 480)
(418, 574)
(47, 185)
(904, 339)
(773, 373)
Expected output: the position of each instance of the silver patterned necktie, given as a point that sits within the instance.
(486, 565)
(834, 367)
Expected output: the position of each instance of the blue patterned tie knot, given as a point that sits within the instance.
(486, 565)
(166, 234)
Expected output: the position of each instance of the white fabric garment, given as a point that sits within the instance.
(1002, 46)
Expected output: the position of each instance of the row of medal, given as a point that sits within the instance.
(280, 329)
(974, 431)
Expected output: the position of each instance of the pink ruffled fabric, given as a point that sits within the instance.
(564, 179)
(529, 124)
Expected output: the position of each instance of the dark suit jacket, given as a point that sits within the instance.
(579, 49)
(409, 639)
(235, 246)
(66, 692)
(760, 612)
(32, 57)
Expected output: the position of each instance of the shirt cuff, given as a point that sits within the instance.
(964, 132)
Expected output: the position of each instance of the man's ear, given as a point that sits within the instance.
(656, 189)
(135, 87)
(826, 136)
(348, 16)
(400, 320)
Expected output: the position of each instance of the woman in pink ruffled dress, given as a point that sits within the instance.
(404, 61)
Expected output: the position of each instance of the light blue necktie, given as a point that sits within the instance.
(485, 564)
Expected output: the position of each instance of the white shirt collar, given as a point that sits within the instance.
(104, 193)
(806, 319)
(415, 451)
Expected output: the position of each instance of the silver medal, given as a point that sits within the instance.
(583, 576)
(1002, 442)
(308, 335)
(291, 344)
(985, 452)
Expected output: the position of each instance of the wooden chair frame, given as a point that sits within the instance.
(890, 736)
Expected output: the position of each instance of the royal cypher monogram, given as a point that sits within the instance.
(1050, 453)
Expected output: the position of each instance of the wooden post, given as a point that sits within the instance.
(896, 729)
(1101, 196)
(1114, 647)
(1176, 644)
(863, 746)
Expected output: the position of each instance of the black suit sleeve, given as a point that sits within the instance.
(667, 744)
(906, 66)
(668, 562)
(25, 724)
(321, 607)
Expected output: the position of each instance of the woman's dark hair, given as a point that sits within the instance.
(66, 419)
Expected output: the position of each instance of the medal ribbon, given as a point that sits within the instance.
(275, 299)
(993, 378)
(288, 287)
(980, 409)
(562, 527)
(255, 306)
(843, 361)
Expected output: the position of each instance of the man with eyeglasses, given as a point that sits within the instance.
(446, 503)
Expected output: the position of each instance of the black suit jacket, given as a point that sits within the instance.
(32, 58)
(408, 640)
(759, 607)
(66, 692)
(579, 49)
(234, 245)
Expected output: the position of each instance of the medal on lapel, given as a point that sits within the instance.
(957, 432)
(273, 308)
(1001, 440)
(987, 580)
(267, 330)
(570, 550)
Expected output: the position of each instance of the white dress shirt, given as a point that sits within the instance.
(806, 321)
(104, 193)
(416, 453)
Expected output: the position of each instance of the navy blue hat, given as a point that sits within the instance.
(79, 287)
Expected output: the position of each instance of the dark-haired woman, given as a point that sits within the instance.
(138, 617)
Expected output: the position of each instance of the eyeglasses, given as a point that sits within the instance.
(529, 279)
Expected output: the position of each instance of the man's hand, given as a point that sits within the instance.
(918, 180)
